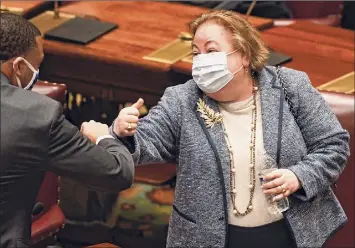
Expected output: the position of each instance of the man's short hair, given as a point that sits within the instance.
(17, 37)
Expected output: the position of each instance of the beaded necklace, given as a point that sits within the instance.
(233, 191)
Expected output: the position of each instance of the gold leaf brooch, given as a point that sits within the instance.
(211, 118)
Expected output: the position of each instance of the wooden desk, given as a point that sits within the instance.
(29, 8)
(323, 52)
(113, 67)
(313, 32)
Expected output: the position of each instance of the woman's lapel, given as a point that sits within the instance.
(217, 139)
(270, 104)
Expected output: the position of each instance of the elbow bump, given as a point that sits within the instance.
(126, 172)
(125, 181)
(128, 183)
(121, 180)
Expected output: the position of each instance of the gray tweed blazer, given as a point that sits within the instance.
(312, 144)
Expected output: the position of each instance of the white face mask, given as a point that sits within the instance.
(210, 71)
(34, 78)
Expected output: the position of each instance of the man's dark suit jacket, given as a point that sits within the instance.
(36, 137)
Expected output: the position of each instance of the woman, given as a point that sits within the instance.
(221, 128)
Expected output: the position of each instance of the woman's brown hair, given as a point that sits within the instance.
(245, 36)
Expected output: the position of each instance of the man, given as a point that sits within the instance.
(35, 137)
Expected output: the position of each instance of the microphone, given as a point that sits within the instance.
(56, 10)
(37, 208)
(250, 9)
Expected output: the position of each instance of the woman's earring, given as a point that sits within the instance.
(246, 69)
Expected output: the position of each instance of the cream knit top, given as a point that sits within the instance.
(237, 118)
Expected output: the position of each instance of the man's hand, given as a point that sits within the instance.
(127, 120)
(94, 130)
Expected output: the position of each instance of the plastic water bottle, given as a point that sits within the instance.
(268, 165)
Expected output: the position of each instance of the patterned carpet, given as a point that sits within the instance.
(137, 217)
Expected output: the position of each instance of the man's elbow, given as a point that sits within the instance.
(127, 179)
(125, 173)
(126, 184)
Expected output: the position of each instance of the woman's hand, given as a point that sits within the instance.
(127, 120)
(281, 183)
